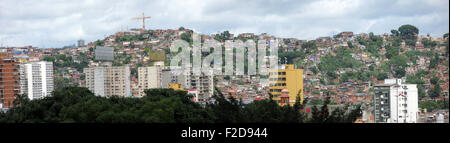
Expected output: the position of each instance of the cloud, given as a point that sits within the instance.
(55, 23)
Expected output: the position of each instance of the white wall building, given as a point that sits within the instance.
(36, 79)
(396, 102)
(106, 81)
(150, 77)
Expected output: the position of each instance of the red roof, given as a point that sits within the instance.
(257, 98)
(284, 95)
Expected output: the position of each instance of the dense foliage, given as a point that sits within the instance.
(62, 60)
(408, 32)
(433, 105)
(79, 105)
(341, 59)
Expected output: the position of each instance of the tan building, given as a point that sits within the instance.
(150, 77)
(106, 80)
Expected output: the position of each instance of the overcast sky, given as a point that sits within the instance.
(55, 23)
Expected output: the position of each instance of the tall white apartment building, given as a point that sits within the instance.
(150, 77)
(396, 102)
(36, 79)
(106, 80)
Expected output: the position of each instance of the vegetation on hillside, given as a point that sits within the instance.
(79, 105)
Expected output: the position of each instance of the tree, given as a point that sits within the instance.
(341, 59)
(314, 70)
(79, 105)
(398, 64)
(225, 35)
(290, 56)
(434, 80)
(61, 82)
(395, 32)
(410, 42)
(337, 116)
(226, 110)
(49, 58)
(99, 43)
(435, 92)
(308, 46)
(408, 32)
(392, 51)
(432, 105)
(354, 114)
(322, 115)
(399, 72)
(187, 36)
(299, 105)
(428, 43)
(421, 91)
(434, 61)
(350, 45)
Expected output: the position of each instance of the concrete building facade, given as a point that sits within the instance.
(150, 77)
(203, 83)
(36, 79)
(395, 102)
(106, 81)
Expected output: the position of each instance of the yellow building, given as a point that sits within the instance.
(23, 60)
(176, 86)
(287, 78)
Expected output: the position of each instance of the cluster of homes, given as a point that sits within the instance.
(358, 91)
(143, 70)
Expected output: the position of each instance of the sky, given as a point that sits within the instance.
(57, 23)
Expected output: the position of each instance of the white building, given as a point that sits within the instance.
(396, 102)
(106, 80)
(150, 77)
(36, 79)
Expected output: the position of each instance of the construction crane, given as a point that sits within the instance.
(143, 20)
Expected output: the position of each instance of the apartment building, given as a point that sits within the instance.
(9, 80)
(105, 80)
(36, 79)
(395, 102)
(150, 77)
(203, 83)
(288, 79)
